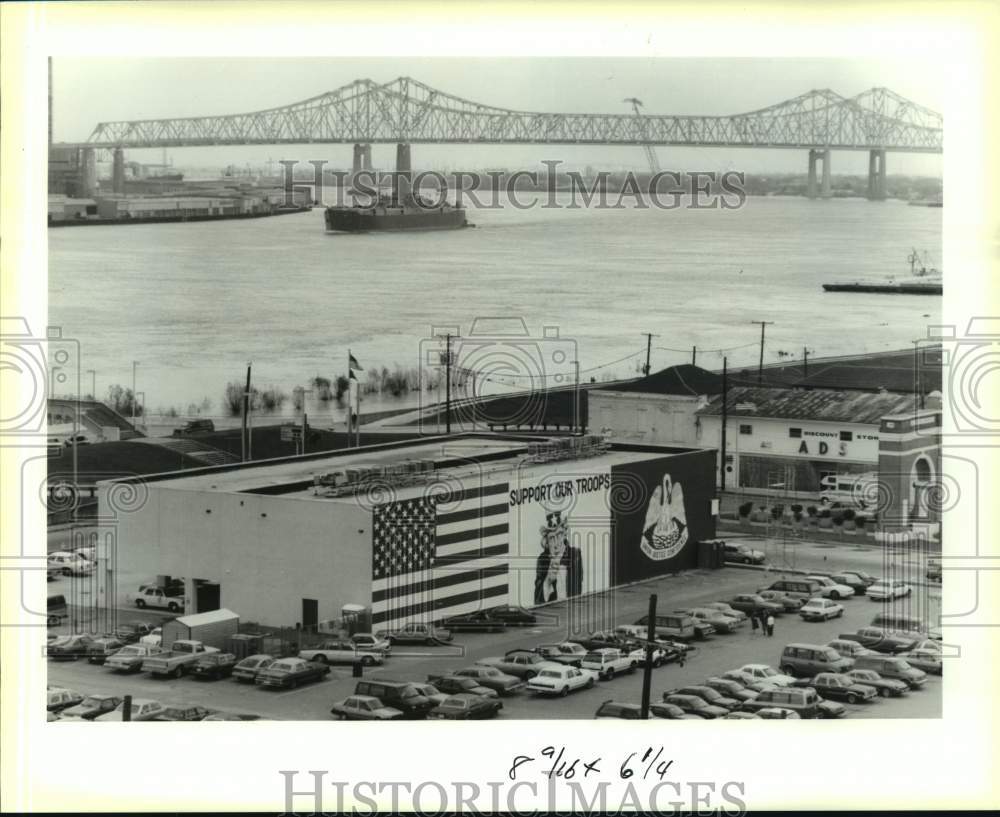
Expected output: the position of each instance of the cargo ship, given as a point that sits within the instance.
(415, 213)
(923, 280)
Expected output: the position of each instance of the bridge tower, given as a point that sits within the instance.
(402, 179)
(876, 175)
(824, 189)
(362, 161)
(118, 172)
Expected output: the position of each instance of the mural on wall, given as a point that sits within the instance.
(661, 509)
(563, 543)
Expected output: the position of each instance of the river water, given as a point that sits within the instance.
(193, 303)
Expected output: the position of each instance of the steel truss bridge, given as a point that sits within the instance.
(407, 111)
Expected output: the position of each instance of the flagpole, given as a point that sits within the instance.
(357, 425)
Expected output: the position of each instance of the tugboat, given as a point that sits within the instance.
(401, 210)
(923, 280)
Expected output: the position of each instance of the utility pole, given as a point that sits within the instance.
(760, 367)
(246, 412)
(647, 672)
(576, 397)
(93, 383)
(649, 348)
(447, 384)
(725, 400)
(694, 355)
(805, 362)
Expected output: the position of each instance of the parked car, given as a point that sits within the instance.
(233, 716)
(924, 658)
(847, 648)
(819, 609)
(726, 609)
(464, 707)
(194, 427)
(842, 687)
(143, 709)
(130, 658)
(406, 696)
(431, 693)
(58, 699)
(364, 708)
(803, 701)
(561, 680)
(154, 638)
(777, 713)
(762, 672)
(790, 604)
(720, 622)
(798, 588)
(182, 655)
(606, 663)
(69, 647)
(371, 642)
(852, 580)
(291, 672)
(492, 678)
(830, 589)
(731, 689)
(92, 706)
(672, 712)
(741, 554)
(249, 667)
(601, 639)
(131, 631)
(191, 712)
(479, 621)
(513, 616)
(157, 597)
(674, 626)
(807, 660)
(101, 649)
(694, 705)
(885, 687)
(341, 652)
(566, 652)
(753, 604)
(892, 666)
(739, 715)
(70, 564)
(459, 684)
(708, 695)
(214, 665)
(88, 553)
(419, 634)
(522, 663)
(621, 711)
(888, 589)
(879, 640)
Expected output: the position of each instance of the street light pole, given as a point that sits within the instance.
(134, 364)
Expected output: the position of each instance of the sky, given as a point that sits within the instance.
(89, 90)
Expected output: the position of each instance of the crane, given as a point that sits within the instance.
(654, 164)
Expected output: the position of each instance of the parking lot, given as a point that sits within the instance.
(713, 656)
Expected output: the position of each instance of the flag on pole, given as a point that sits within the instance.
(353, 363)
(350, 375)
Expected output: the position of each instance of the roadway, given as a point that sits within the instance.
(713, 656)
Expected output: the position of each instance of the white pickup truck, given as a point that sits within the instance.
(181, 655)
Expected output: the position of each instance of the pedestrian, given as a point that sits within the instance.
(753, 622)
(770, 624)
(680, 658)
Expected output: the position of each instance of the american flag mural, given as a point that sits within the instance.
(437, 556)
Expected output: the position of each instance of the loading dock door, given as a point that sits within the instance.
(208, 597)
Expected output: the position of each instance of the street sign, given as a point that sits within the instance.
(291, 434)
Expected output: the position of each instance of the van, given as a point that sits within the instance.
(796, 588)
(897, 622)
(892, 667)
(57, 610)
(810, 659)
(802, 700)
(402, 695)
(676, 625)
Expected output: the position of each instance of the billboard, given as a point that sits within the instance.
(560, 525)
(662, 508)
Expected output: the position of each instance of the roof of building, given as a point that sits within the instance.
(821, 405)
(892, 371)
(685, 379)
